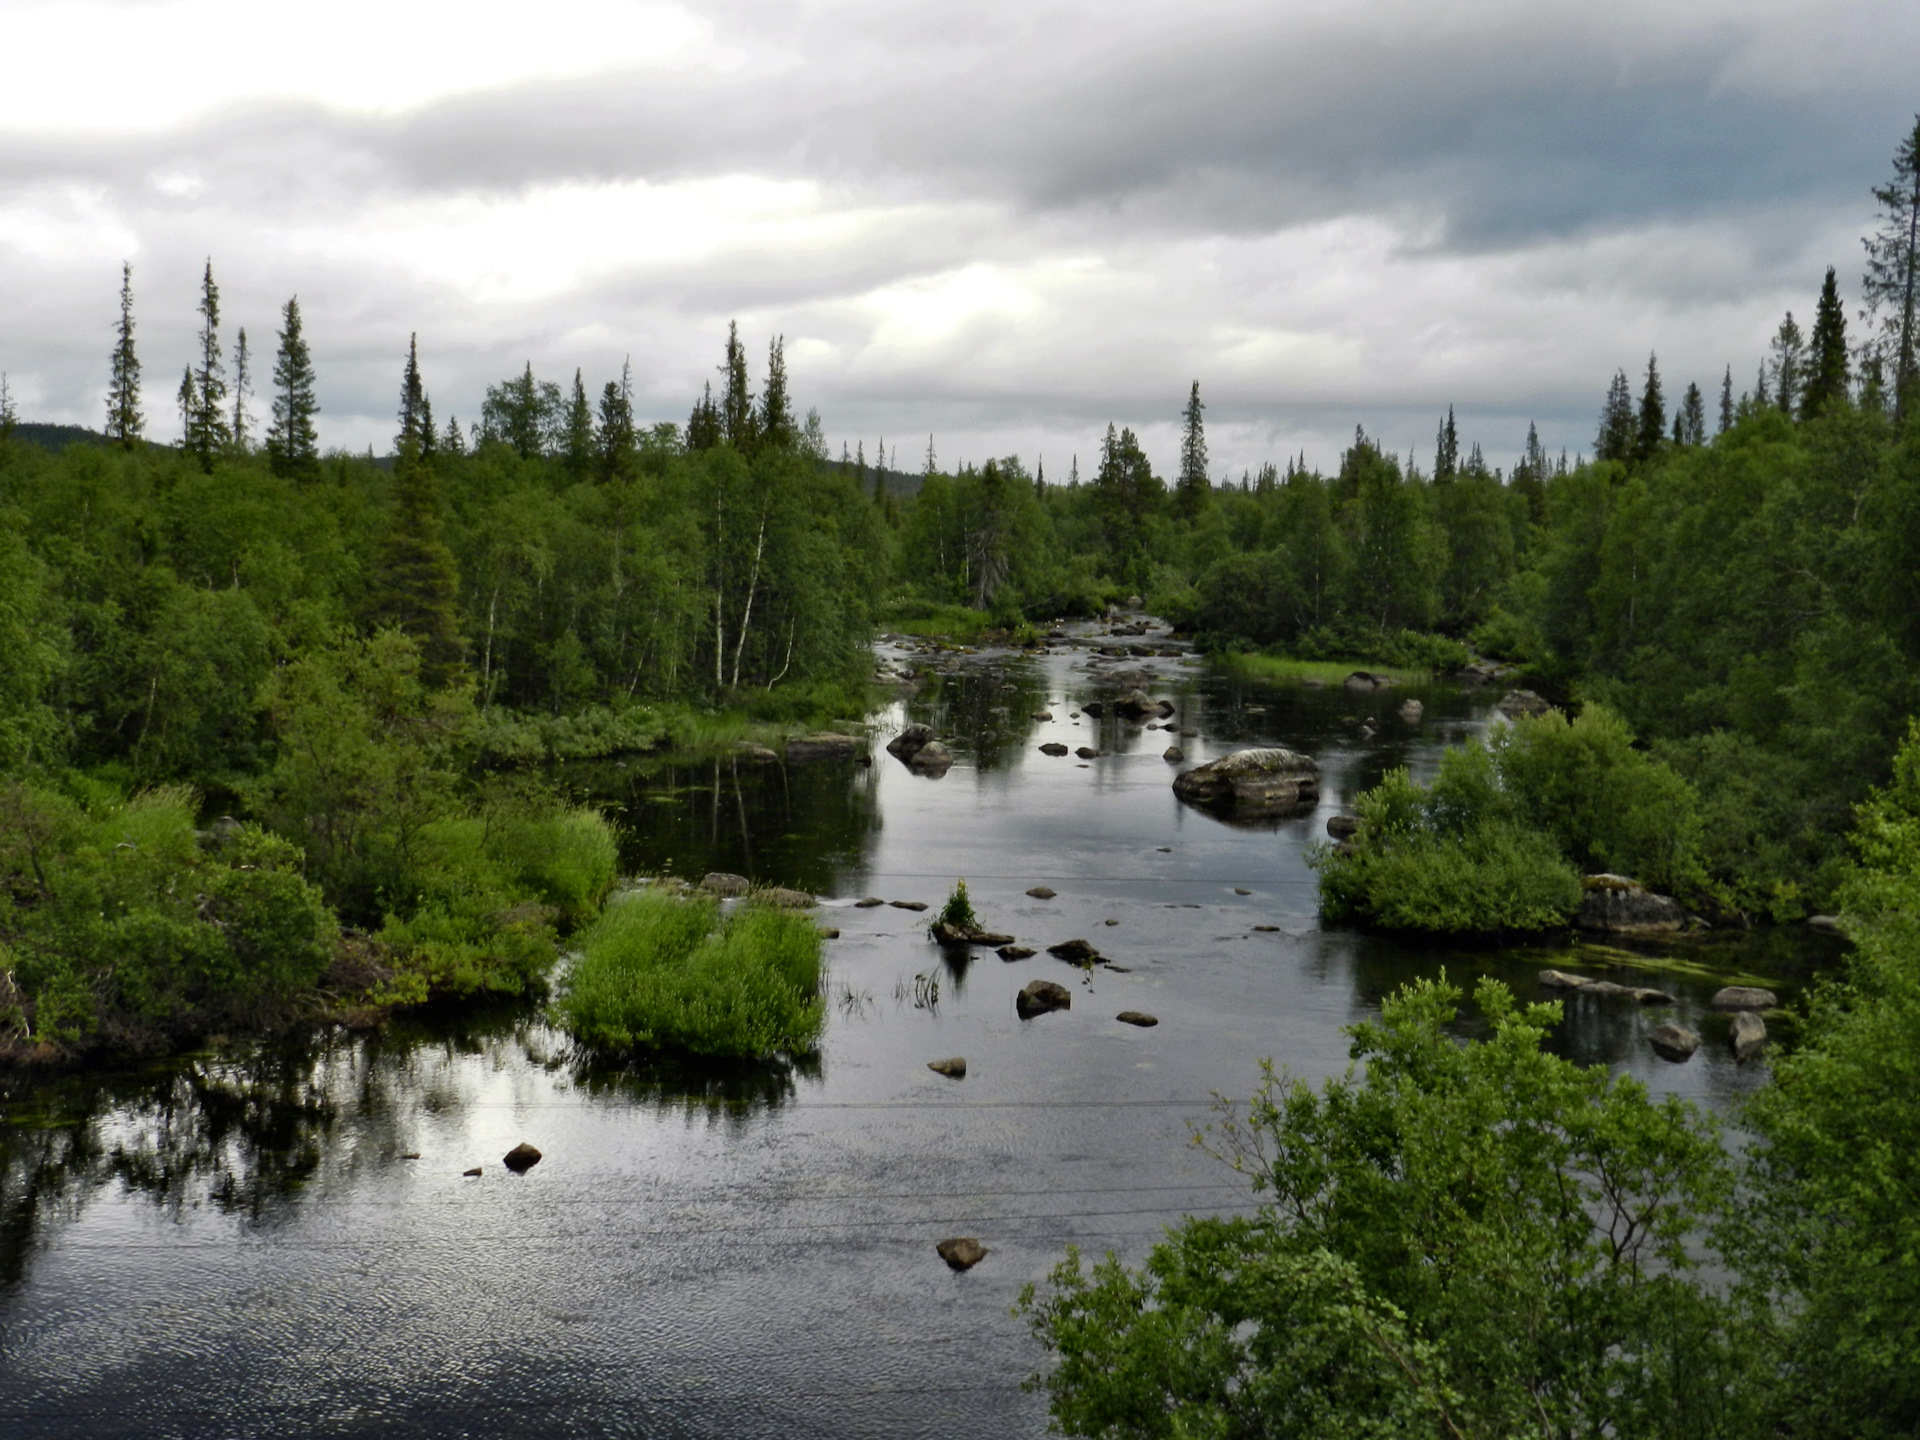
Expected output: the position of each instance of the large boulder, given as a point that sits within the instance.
(782, 898)
(1749, 1036)
(1053, 747)
(1343, 827)
(1674, 1042)
(1074, 952)
(1041, 996)
(1626, 907)
(1367, 680)
(1252, 780)
(1516, 703)
(720, 882)
(1138, 705)
(522, 1158)
(909, 741)
(963, 1252)
(932, 758)
(1744, 997)
(823, 745)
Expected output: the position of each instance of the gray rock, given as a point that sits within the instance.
(904, 745)
(954, 1069)
(719, 882)
(758, 754)
(476, 1170)
(1343, 827)
(908, 904)
(1173, 753)
(1268, 929)
(1674, 1042)
(1561, 980)
(1014, 952)
(1749, 1036)
(1075, 952)
(963, 1252)
(932, 758)
(522, 1158)
(823, 745)
(868, 903)
(1366, 680)
(1039, 997)
(784, 899)
(1252, 781)
(1620, 906)
(1138, 705)
(1095, 708)
(1516, 703)
(1043, 716)
(829, 932)
(1411, 711)
(1744, 997)
(1137, 1017)
(1087, 752)
(1053, 747)
(1041, 892)
(1828, 923)
(1241, 890)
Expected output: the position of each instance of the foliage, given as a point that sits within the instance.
(659, 972)
(958, 911)
(1460, 1239)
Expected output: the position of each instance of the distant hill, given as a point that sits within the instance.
(56, 437)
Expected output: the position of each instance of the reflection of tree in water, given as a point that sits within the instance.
(808, 826)
(985, 710)
(719, 1092)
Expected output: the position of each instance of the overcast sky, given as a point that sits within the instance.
(1002, 223)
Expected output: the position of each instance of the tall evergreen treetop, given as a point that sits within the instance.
(1789, 363)
(1726, 401)
(242, 387)
(1617, 428)
(1827, 374)
(1690, 424)
(9, 416)
(704, 427)
(293, 445)
(207, 433)
(615, 441)
(736, 401)
(413, 398)
(1891, 285)
(1446, 449)
(578, 452)
(776, 425)
(1651, 428)
(124, 420)
(1193, 490)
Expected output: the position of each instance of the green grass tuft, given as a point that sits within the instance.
(661, 973)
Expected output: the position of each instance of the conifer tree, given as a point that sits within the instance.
(776, 426)
(929, 470)
(1446, 450)
(1891, 285)
(242, 387)
(1616, 438)
(453, 441)
(579, 452)
(417, 585)
(124, 420)
(293, 445)
(189, 397)
(1690, 423)
(429, 437)
(1651, 428)
(9, 416)
(614, 441)
(1726, 401)
(1789, 364)
(412, 403)
(736, 402)
(704, 429)
(1827, 376)
(1193, 490)
(207, 432)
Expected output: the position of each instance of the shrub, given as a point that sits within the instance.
(958, 911)
(661, 973)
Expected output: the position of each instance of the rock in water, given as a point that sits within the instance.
(1041, 892)
(1744, 997)
(954, 1069)
(1173, 753)
(1561, 980)
(476, 1170)
(719, 882)
(1411, 711)
(1014, 952)
(932, 758)
(1366, 680)
(1078, 952)
(823, 745)
(1252, 781)
(1087, 752)
(1043, 716)
(962, 1253)
(1626, 907)
(1137, 1017)
(522, 1158)
(1749, 1035)
(1041, 996)
(868, 903)
(1674, 1042)
(1829, 923)
(758, 754)
(1343, 827)
(908, 904)
(1516, 703)
(784, 899)
(909, 741)
(1138, 704)
(1053, 747)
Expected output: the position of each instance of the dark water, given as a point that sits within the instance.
(232, 1244)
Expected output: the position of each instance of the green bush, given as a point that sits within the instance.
(662, 973)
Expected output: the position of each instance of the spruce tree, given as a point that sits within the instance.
(1891, 285)
(1193, 490)
(242, 386)
(9, 416)
(413, 394)
(736, 403)
(578, 455)
(1827, 376)
(124, 420)
(453, 440)
(429, 437)
(776, 426)
(614, 441)
(207, 432)
(417, 585)
(1652, 426)
(704, 429)
(1789, 364)
(293, 445)
(189, 398)
(1726, 401)
(1446, 450)
(1616, 437)
(1691, 421)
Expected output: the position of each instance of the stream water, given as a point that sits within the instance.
(240, 1242)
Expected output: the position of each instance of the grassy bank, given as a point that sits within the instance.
(1282, 669)
(660, 972)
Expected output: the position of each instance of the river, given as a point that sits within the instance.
(240, 1242)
